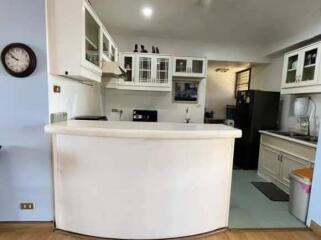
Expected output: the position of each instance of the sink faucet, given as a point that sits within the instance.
(307, 123)
(187, 117)
(308, 119)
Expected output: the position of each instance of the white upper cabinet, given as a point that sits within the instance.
(91, 37)
(190, 67)
(105, 45)
(128, 61)
(109, 51)
(301, 70)
(150, 72)
(77, 40)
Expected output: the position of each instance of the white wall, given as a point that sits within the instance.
(219, 91)
(168, 111)
(236, 53)
(25, 159)
(75, 98)
(267, 76)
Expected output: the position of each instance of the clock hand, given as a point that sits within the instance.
(13, 57)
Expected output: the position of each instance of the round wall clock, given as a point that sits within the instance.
(19, 60)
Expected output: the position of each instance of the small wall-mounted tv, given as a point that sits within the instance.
(186, 91)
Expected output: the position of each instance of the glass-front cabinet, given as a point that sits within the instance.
(309, 65)
(162, 70)
(301, 67)
(113, 53)
(146, 72)
(292, 74)
(145, 69)
(105, 46)
(198, 66)
(92, 36)
(128, 63)
(189, 67)
(180, 66)
(79, 45)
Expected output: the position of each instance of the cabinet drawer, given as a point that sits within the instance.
(294, 149)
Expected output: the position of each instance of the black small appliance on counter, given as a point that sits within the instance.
(91, 118)
(144, 115)
(255, 110)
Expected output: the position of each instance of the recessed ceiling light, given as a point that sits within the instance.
(147, 11)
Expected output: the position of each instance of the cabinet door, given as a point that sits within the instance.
(289, 164)
(308, 74)
(198, 67)
(113, 53)
(181, 66)
(128, 61)
(92, 39)
(290, 70)
(270, 161)
(144, 73)
(163, 71)
(105, 46)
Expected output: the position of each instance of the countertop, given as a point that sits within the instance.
(309, 144)
(123, 129)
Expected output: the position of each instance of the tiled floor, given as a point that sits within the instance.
(252, 209)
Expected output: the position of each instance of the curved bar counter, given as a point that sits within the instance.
(130, 180)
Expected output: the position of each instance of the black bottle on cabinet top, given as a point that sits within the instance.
(136, 48)
(143, 50)
(153, 49)
(157, 50)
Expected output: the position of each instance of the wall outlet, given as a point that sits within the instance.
(56, 89)
(27, 206)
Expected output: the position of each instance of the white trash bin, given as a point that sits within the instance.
(300, 187)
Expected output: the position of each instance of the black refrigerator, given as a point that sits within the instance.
(255, 110)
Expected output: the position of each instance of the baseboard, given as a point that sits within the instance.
(316, 228)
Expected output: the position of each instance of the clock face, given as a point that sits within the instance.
(19, 60)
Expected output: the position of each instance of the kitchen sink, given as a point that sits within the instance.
(298, 136)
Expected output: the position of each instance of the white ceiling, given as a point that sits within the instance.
(248, 22)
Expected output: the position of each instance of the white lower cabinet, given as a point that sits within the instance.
(279, 157)
(270, 161)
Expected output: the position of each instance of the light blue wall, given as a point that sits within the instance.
(25, 170)
(315, 199)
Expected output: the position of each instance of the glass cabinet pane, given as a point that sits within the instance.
(113, 54)
(92, 39)
(197, 66)
(145, 69)
(106, 46)
(292, 69)
(181, 65)
(310, 58)
(128, 64)
(162, 70)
